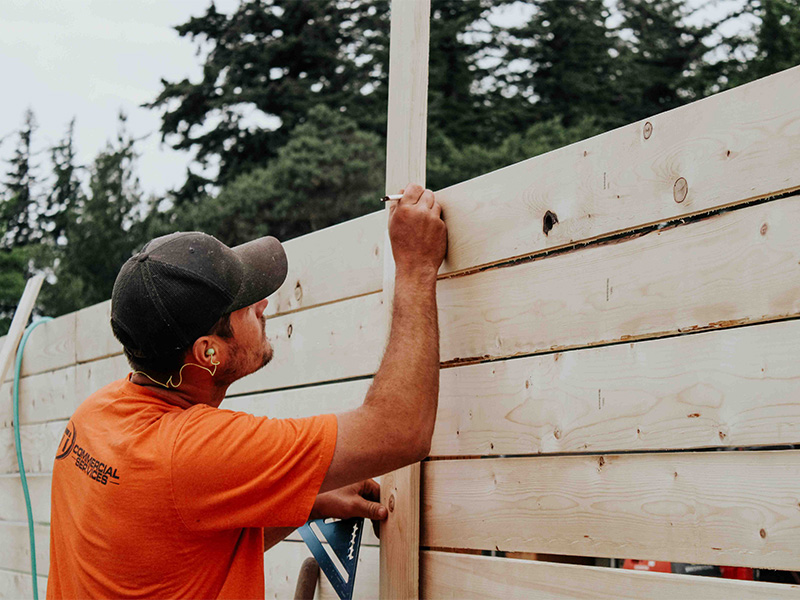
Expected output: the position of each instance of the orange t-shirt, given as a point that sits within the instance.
(156, 500)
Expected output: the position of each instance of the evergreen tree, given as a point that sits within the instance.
(663, 62)
(65, 193)
(18, 209)
(772, 46)
(13, 274)
(277, 59)
(102, 230)
(568, 50)
(328, 172)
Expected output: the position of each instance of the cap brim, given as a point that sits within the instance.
(265, 267)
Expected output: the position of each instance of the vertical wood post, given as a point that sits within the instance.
(405, 162)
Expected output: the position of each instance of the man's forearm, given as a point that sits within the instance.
(407, 382)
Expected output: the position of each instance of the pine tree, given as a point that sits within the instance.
(277, 59)
(102, 229)
(661, 58)
(19, 209)
(571, 74)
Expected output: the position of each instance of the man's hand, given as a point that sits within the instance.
(356, 500)
(417, 231)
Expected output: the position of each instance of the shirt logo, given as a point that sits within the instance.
(95, 468)
(67, 442)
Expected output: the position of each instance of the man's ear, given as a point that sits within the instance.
(206, 351)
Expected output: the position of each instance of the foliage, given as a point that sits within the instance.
(329, 171)
(287, 123)
(275, 59)
(102, 228)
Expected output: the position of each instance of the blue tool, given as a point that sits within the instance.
(339, 557)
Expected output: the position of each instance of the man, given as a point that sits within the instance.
(158, 493)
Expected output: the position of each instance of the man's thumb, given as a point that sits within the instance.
(374, 510)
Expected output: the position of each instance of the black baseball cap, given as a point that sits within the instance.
(179, 285)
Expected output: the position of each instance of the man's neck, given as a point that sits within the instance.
(190, 391)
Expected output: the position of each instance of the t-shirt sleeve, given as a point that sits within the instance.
(232, 469)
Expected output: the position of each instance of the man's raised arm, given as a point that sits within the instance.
(394, 426)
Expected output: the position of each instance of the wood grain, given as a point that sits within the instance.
(728, 508)
(735, 387)
(42, 397)
(407, 127)
(731, 147)
(15, 551)
(94, 337)
(447, 575)
(738, 267)
(39, 444)
(332, 264)
(327, 343)
(51, 346)
(19, 321)
(14, 584)
(12, 501)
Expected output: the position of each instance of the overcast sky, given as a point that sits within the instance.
(90, 58)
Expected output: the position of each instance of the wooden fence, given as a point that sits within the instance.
(621, 364)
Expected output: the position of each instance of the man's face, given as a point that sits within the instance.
(249, 348)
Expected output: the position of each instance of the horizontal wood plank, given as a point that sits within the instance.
(14, 584)
(39, 444)
(42, 397)
(737, 267)
(12, 500)
(462, 576)
(735, 387)
(15, 550)
(94, 337)
(338, 262)
(331, 342)
(723, 508)
(50, 346)
(728, 148)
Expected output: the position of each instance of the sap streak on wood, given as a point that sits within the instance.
(723, 508)
(446, 575)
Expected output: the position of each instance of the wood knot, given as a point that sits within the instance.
(298, 292)
(764, 229)
(601, 461)
(391, 503)
(680, 190)
(549, 221)
(763, 533)
(648, 130)
(557, 433)
(289, 330)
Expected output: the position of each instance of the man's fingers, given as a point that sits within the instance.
(428, 198)
(371, 510)
(412, 194)
(371, 490)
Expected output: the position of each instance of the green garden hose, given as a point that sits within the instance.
(20, 464)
